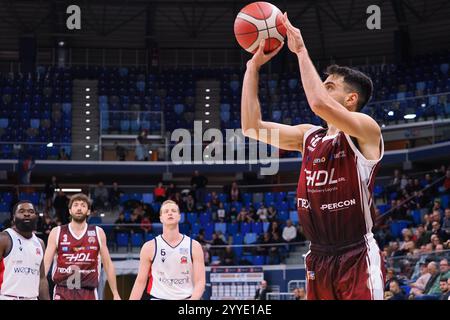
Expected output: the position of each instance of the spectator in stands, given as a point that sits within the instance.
(271, 214)
(215, 201)
(47, 225)
(171, 191)
(265, 240)
(101, 196)
(446, 184)
(422, 236)
(217, 241)
(201, 237)
(427, 222)
(114, 196)
(275, 228)
(444, 268)
(220, 214)
(275, 251)
(432, 290)
(233, 214)
(146, 224)
(190, 204)
(390, 276)
(159, 192)
(444, 284)
(388, 295)
(241, 217)
(135, 220)
(397, 292)
(300, 234)
(120, 224)
(261, 292)
(235, 193)
(418, 286)
(299, 294)
(262, 213)
(436, 230)
(62, 155)
(61, 205)
(141, 150)
(121, 152)
(289, 232)
(49, 191)
(228, 257)
(198, 183)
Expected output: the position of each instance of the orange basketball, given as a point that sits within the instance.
(258, 21)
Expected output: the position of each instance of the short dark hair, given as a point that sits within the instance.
(80, 197)
(355, 79)
(16, 206)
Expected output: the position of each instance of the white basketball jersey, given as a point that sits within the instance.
(20, 269)
(171, 271)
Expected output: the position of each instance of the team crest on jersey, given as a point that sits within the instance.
(183, 260)
(184, 251)
(38, 251)
(91, 233)
(311, 275)
(91, 239)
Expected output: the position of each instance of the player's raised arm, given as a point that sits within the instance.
(289, 137)
(108, 264)
(50, 251)
(355, 124)
(145, 262)
(198, 267)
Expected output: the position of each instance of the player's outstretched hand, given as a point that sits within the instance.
(294, 36)
(260, 58)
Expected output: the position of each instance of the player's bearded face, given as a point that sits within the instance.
(79, 211)
(25, 218)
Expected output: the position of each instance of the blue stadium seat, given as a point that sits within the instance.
(266, 226)
(182, 217)
(137, 240)
(269, 198)
(250, 238)
(209, 230)
(184, 228)
(147, 197)
(122, 239)
(293, 216)
(247, 198)
(238, 238)
(192, 218)
(95, 220)
(283, 215)
(257, 227)
(232, 228)
(149, 236)
(195, 228)
(258, 260)
(205, 218)
(245, 227)
(397, 227)
(220, 226)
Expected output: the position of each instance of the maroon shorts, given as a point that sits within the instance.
(354, 272)
(64, 293)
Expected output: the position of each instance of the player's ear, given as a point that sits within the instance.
(351, 101)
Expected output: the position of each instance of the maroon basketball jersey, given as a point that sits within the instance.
(334, 194)
(75, 254)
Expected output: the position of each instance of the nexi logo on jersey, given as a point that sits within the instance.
(338, 205)
(303, 203)
(321, 178)
(79, 257)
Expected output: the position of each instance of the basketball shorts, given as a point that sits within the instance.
(64, 293)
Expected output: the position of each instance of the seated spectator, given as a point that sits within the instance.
(101, 196)
(432, 290)
(146, 224)
(201, 237)
(446, 223)
(190, 204)
(262, 214)
(418, 287)
(242, 215)
(397, 292)
(445, 290)
(261, 292)
(171, 191)
(235, 193)
(444, 268)
(220, 214)
(120, 222)
(390, 276)
(271, 214)
(62, 155)
(275, 251)
(159, 192)
(289, 232)
(422, 236)
(300, 234)
(436, 230)
(114, 196)
(61, 206)
(275, 228)
(232, 215)
(136, 220)
(265, 240)
(299, 294)
(121, 152)
(228, 257)
(47, 225)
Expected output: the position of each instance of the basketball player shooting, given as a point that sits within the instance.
(76, 249)
(339, 165)
(22, 275)
(172, 263)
